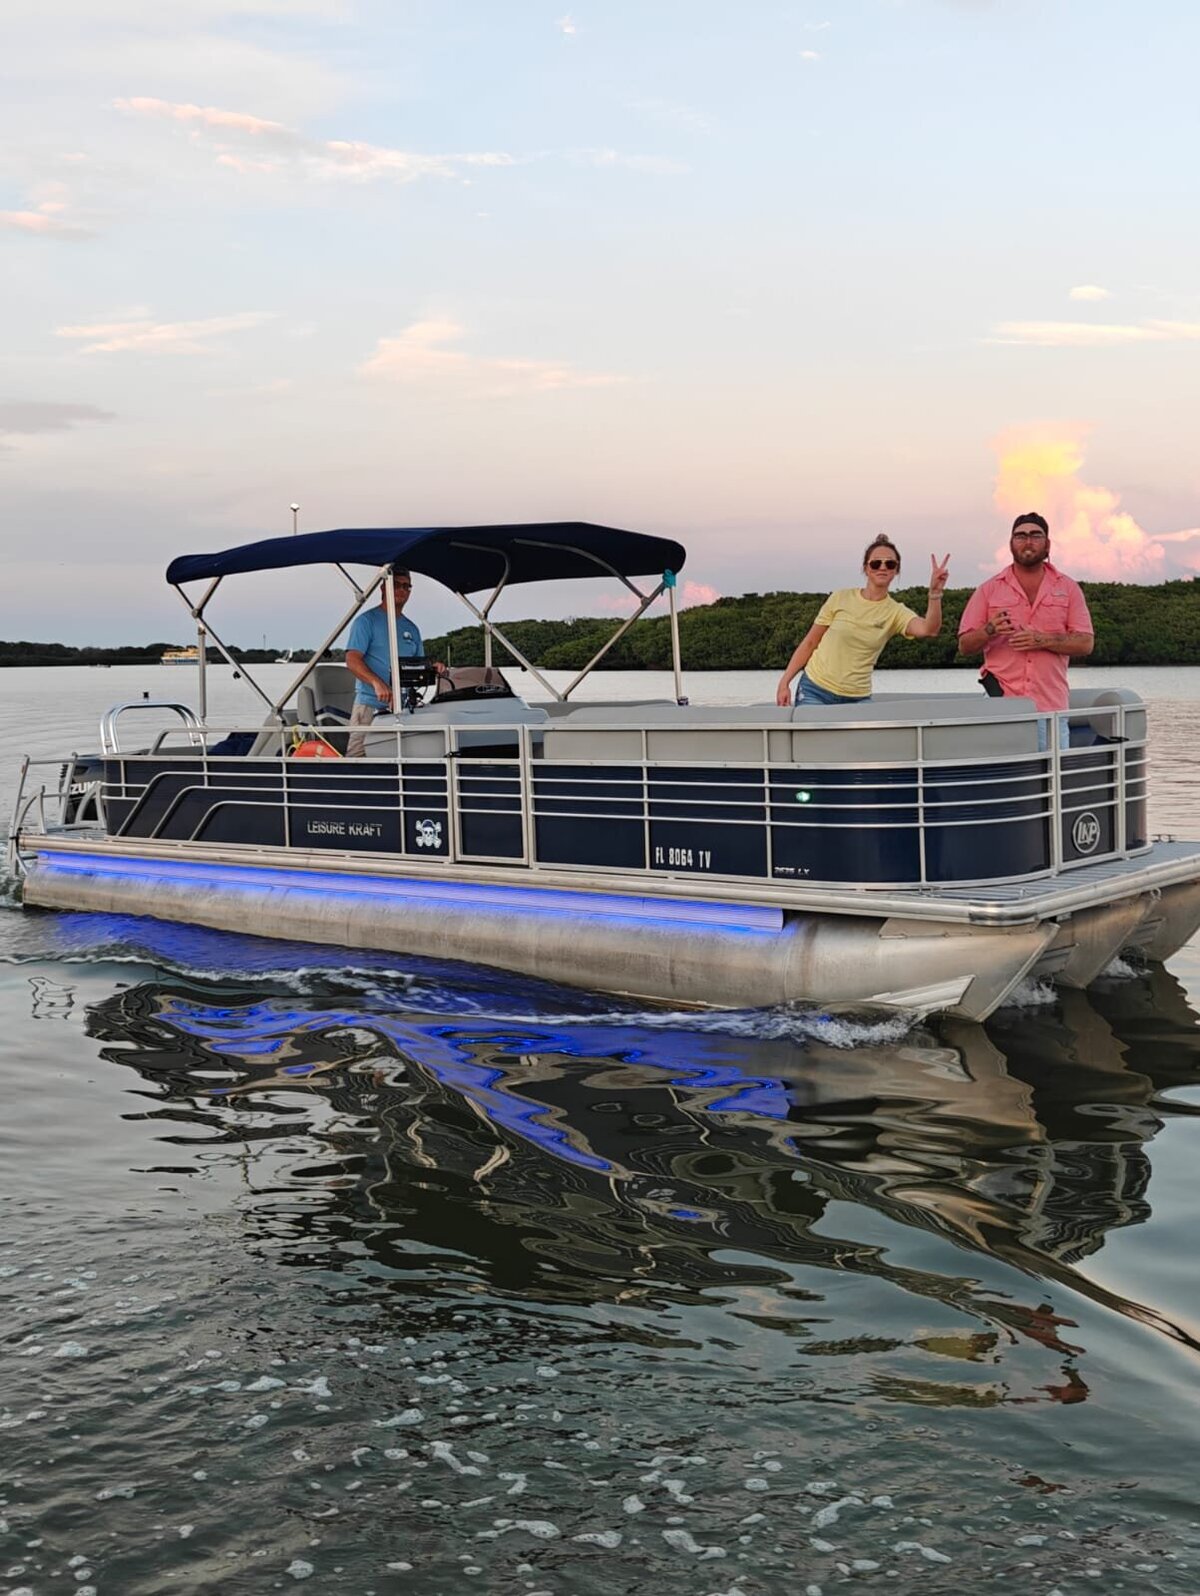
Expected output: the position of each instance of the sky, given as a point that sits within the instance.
(768, 278)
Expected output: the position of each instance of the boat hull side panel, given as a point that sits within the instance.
(644, 949)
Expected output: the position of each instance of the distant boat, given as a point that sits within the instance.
(181, 656)
(285, 659)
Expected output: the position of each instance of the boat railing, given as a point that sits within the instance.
(1072, 806)
(110, 742)
(55, 802)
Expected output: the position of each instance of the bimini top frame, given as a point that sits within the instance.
(465, 559)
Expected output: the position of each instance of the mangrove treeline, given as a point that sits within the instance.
(23, 653)
(758, 631)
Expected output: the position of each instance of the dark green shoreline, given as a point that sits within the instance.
(1134, 626)
(758, 631)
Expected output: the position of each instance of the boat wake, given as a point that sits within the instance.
(377, 980)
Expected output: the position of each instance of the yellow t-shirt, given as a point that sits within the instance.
(858, 630)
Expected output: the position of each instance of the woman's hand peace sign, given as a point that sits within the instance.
(938, 575)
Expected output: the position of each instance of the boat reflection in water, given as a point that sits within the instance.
(612, 1160)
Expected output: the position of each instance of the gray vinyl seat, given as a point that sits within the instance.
(326, 698)
(472, 724)
(269, 743)
(953, 726)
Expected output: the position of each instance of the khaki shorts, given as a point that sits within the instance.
(360, 715)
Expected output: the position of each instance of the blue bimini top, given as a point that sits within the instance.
(466, 559)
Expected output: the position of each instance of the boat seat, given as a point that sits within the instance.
(267, 743)
(556, 709)
(327, 697)
(1100, 702)
(954, 726)
(480, 725)
(966, 727)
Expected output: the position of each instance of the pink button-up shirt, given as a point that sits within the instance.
(1059, 607)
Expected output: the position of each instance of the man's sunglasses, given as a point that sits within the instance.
(883, 565)
(1032, 536)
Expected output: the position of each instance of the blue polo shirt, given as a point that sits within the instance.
(369, 637)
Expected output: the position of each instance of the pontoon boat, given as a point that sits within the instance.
(915, 851)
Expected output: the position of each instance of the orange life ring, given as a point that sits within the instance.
(314, 748)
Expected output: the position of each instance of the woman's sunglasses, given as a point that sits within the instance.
(883, 565)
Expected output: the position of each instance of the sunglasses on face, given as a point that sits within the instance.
(1032, 536)
(883, 565)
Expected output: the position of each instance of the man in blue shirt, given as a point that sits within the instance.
(368, 657)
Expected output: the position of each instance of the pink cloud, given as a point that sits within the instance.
(419, 355)
(281, 149)
(689, 595)
(159, 338)
(1092, 536)
(43, 223)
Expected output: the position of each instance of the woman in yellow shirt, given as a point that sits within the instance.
(838, 652)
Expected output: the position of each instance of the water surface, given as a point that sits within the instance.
(371, 1274)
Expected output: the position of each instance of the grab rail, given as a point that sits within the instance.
(109, 741)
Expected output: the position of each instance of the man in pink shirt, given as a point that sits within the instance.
(1029, 620)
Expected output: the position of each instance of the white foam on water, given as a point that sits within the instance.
(683, 1541)
(1030, 994)
(608, 1539)
(830, 1515)
(929, 1553)
(444, 1453)
(860, 1028)
(540, 1528)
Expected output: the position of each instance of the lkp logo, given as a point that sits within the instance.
(1085, 833)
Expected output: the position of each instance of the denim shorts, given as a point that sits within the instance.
(1064, 734)
(808, 692)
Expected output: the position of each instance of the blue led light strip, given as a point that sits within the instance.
(526, 900)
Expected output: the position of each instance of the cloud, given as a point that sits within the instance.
(160, 338)
(42, 225)
(1094, 334)
(660, 165)
(810, 55)
(1090, 293)
(689, 595)
(25, 417)
(1092, 536)
(45, 219)
(281, 149)
(567, 26)
(419, 356)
